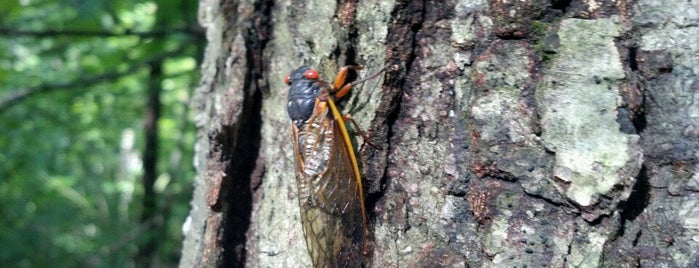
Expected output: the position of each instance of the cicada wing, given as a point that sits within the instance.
(330, 200)
(347, 204)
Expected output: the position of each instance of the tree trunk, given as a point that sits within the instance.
(151, 214)
(507, 133)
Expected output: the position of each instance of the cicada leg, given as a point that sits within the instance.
(359, 130)
(339, 85)
(339, 90)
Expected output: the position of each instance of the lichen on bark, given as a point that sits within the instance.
(578, 101)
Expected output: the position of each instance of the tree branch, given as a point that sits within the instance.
(19, 95)
(194, 31)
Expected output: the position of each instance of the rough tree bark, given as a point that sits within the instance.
(509, 133)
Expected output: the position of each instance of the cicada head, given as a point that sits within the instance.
(303, 90)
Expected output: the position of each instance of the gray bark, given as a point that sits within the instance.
(508, 133)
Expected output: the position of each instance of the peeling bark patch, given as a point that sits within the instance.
(578, 116)
(346, 12)
(215, 178)
(513, 19)
(212, 241)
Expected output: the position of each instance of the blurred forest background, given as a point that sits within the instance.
(96, 144)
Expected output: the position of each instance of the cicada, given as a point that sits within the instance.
(330, 192)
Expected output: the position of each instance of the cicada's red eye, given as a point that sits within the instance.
(311, 74)
(286, 80)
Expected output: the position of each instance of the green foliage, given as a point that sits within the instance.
(73, 82)
(539, 28)
(544, 47)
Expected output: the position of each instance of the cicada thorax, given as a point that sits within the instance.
(329, 185)
(303, 93)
